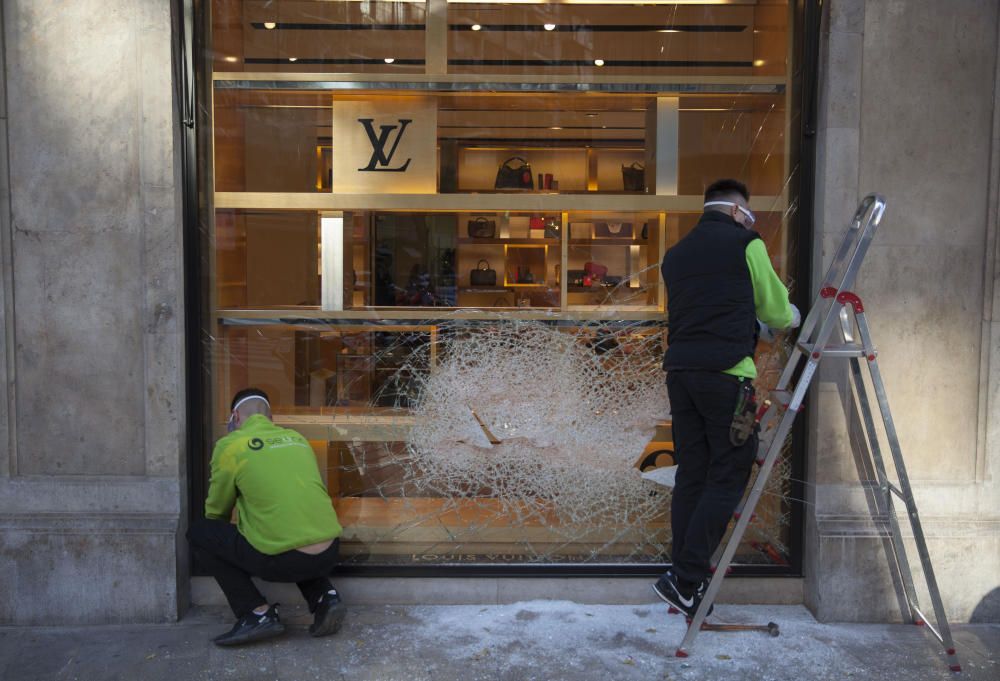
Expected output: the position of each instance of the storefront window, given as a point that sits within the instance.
(436, 230)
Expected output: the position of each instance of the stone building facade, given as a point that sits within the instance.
(93, 475)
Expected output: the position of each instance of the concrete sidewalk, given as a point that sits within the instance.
(517, 642)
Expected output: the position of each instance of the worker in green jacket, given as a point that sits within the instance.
(286, 527)
(720, 285)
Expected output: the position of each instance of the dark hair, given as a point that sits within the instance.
(247, 392)
(720, 190)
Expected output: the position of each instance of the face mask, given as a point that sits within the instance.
(231, 424)
(749, 216)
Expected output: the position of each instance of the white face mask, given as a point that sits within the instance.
(749, 215)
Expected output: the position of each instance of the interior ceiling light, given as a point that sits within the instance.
(231, 60)
(668, 30)
(269, 25)
(555, 127)
(476, 27)
(759, 62)
(388, 60)
(598, 62)
(549, 27)
(293, 59)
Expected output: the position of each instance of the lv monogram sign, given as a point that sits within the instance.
(385, 145)
(380, 160)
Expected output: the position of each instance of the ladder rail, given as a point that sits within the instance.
(883, 504)
(860, 233)
(738, 531)
(904, 485)
(902, 565)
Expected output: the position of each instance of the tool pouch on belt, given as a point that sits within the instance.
(744, 416)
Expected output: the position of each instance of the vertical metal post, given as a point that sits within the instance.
(436, 37)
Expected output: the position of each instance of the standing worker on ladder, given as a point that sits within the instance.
(719, 282)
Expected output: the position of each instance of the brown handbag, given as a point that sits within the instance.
(481, 228)
(634, 177)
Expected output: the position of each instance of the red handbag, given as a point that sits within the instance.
(595, 270)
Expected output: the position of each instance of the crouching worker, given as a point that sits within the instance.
(286, 531)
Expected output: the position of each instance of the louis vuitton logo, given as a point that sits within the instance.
(380, 160)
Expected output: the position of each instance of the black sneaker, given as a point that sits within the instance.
(252, 627)
(671, 592)
(329, 615)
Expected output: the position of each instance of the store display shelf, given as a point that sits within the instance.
(355, 82)
(365, 424)
(550, 192)
(605, 241)
(484, 289)
(429, 316)
(511, 240)
(528, 202)
(597, 289)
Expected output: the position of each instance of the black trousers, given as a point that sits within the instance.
(232, 560)
(712, 474)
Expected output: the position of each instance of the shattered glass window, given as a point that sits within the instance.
(434, 239)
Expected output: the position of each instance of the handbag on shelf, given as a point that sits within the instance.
(613, 230)
(536, 228)
(483, 276)
(595, 270)
(634, 177)
(511, 177)
(481, 228)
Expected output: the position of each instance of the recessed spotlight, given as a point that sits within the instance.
(549, 27)
(388, 60)
(759, 62)
(293, 59)
(231, 60)
(591, 115)
(668, 30)
(598, 62)
(555, 127)
(270, 25)
(476, 27)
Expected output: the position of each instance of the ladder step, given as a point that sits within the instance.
(895, 490)
(836, 350)
(781, 397)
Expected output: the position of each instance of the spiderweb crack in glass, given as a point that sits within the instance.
(570, 423)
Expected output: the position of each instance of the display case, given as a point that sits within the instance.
(403, 192)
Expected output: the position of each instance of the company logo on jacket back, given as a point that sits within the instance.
(273, 442)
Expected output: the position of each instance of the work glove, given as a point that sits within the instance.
(796, 318)
(764, 332)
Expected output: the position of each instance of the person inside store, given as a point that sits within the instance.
(286, 528)
(720, 287)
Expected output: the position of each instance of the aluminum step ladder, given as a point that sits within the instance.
(837, 308)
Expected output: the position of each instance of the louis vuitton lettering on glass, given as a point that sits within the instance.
(494, 186)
